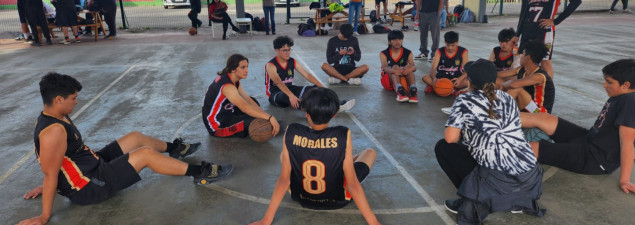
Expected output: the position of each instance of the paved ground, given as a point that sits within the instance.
(155, 82)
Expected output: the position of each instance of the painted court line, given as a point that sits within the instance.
(438, 210)
(306, 66)
(75, 115)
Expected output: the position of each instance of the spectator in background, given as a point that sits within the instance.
(66, 17)
(428, 17)
(195, 9)
(108, 8)
(624, 6)
(25, 35)
(34, 12)
(218, 13)
(444, 14)
(49, 12)
(270, 10)
(354, 9)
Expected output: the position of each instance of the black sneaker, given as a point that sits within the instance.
(212, 172)
(49, 42)
(413, 95)
(19, 37)
(453, 205)
(235, 29)
(199, 24)
(36, 43)
(421, 56)
(401, 95)
(184, 149)
(28, 40)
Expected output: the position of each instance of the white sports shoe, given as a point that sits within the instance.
(348, 105)
(355, 81)
(355, 34)
(446, 110)
(333, 80)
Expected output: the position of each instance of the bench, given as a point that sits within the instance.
(399, 15)
(98, 23)
(332, 18)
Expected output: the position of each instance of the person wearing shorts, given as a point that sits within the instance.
(227, 109)
(608, 145)
(378, 4)
(397, 63)
(341, 53)
(66, 17)
(75, 171)
(329, 152)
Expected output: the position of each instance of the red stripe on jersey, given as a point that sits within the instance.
(73, 175)
(347, 195)
(218, 102)
(539, 95)
(231, 130)
(554, 9)
(267, 81)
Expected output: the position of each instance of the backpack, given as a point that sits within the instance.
(247, 15)
(311, 23)
(467, 16)
(373, 16)
(314, 5)
(308, 33)
(258, 25)
(303, 27)
(379, 29)
(458, 9)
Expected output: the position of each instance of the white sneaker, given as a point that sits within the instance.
(333, 80)
(348, 105)
(627, 11)
(447, 110)
(355, 34)
(416, 28)
(355, 81)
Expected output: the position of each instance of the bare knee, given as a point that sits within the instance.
(325, 66)
(363, 68)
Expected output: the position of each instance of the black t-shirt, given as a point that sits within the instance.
(334, 46)
(450, 66)
(502, 62)
(317, 160)
(286, 75)
(216, 107)
(604, 136)
(79, 163)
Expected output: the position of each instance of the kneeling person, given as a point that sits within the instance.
(328, 150)
(85, 177)
(341, 53)
(227, 109)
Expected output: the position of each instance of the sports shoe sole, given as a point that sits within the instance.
(448, 207)
(347, 106)
(227, 169)
(446, 110)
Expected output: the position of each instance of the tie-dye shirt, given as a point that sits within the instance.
(496, 144)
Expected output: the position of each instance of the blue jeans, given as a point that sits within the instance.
(270, 12)
(443, 17)
(354, 8)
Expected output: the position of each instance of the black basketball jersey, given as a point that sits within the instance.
(503, 62)
(216, 106)
(544, 93)
(317, 159)
(533, 12)
(450, 66)
(285, 73)
(401, 60)
(79, 161)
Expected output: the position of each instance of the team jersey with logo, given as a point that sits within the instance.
(450, 66)
(503, 62)
(285, 73)
(535, 11)
(544, 93)
(79, 162)
(317, 159)
(216, 106)
(401, 60)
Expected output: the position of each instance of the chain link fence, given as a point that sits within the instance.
(158, 14)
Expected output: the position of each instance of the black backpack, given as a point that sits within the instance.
(458, 9)
(311, 23)
(373, 16)
(303, 27)
(258, 25)
(379, 29)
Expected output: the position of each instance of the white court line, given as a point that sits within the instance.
(438, 210)
(75, 115)
(306, 67)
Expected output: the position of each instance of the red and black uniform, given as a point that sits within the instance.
(87, 177)
(450, 66)
(503, 62)
(401, 61)
(544, 93)
(532, 11)
(317, 160)
(286, 74)
(221, 117)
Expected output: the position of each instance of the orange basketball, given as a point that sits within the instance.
(260, 130)
(192, 31)
(443, 87)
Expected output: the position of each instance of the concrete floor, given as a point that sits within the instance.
(154, 83)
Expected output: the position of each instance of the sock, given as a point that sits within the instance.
(171, 146)
(66, 38)
(193, 170)
(76, 36)
(413, 86)
(398, 86)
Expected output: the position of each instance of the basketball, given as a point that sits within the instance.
(260, 130)
(443, 87)
(192, 31)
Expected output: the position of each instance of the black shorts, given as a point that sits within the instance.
(113, 174)
(235, 126)
(66, 15)
(379, 1)
(571, 150)
(344, 69)
(280, 99)
(361, 170)
(22, 10)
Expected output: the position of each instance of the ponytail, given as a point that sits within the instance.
(490, 92)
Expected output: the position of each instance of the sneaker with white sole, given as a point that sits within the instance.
(355, 81)
(346, 105)
(421, 56)
(446, 110)
(333, 80)
(212, 172)
(401, 95)
(65, 41)
(355, 33)
(453, 205)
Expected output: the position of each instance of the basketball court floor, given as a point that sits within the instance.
(154, 83)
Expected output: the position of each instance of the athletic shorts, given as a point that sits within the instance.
(571, 151)
(547, 37)
(386, 82)
(237, 125)
(113, 174)
(379, 1)
(66, 15)
(344, 69)
(22, 10)
(280, 99)
(361, 170)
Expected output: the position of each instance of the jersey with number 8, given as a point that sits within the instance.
(317, 159)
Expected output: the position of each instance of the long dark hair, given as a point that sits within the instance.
(490, 92)
(232, 63)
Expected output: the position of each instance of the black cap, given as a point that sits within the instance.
(481, 72)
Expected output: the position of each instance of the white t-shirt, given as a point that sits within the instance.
(49, 11)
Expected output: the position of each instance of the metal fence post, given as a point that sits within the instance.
(500, 12)
(208, 20)
(123, 15)
(288, 11)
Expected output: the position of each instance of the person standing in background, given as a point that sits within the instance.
(270, 10)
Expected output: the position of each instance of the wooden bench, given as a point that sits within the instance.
(399, 14)
(98, 23)
(332, 18)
